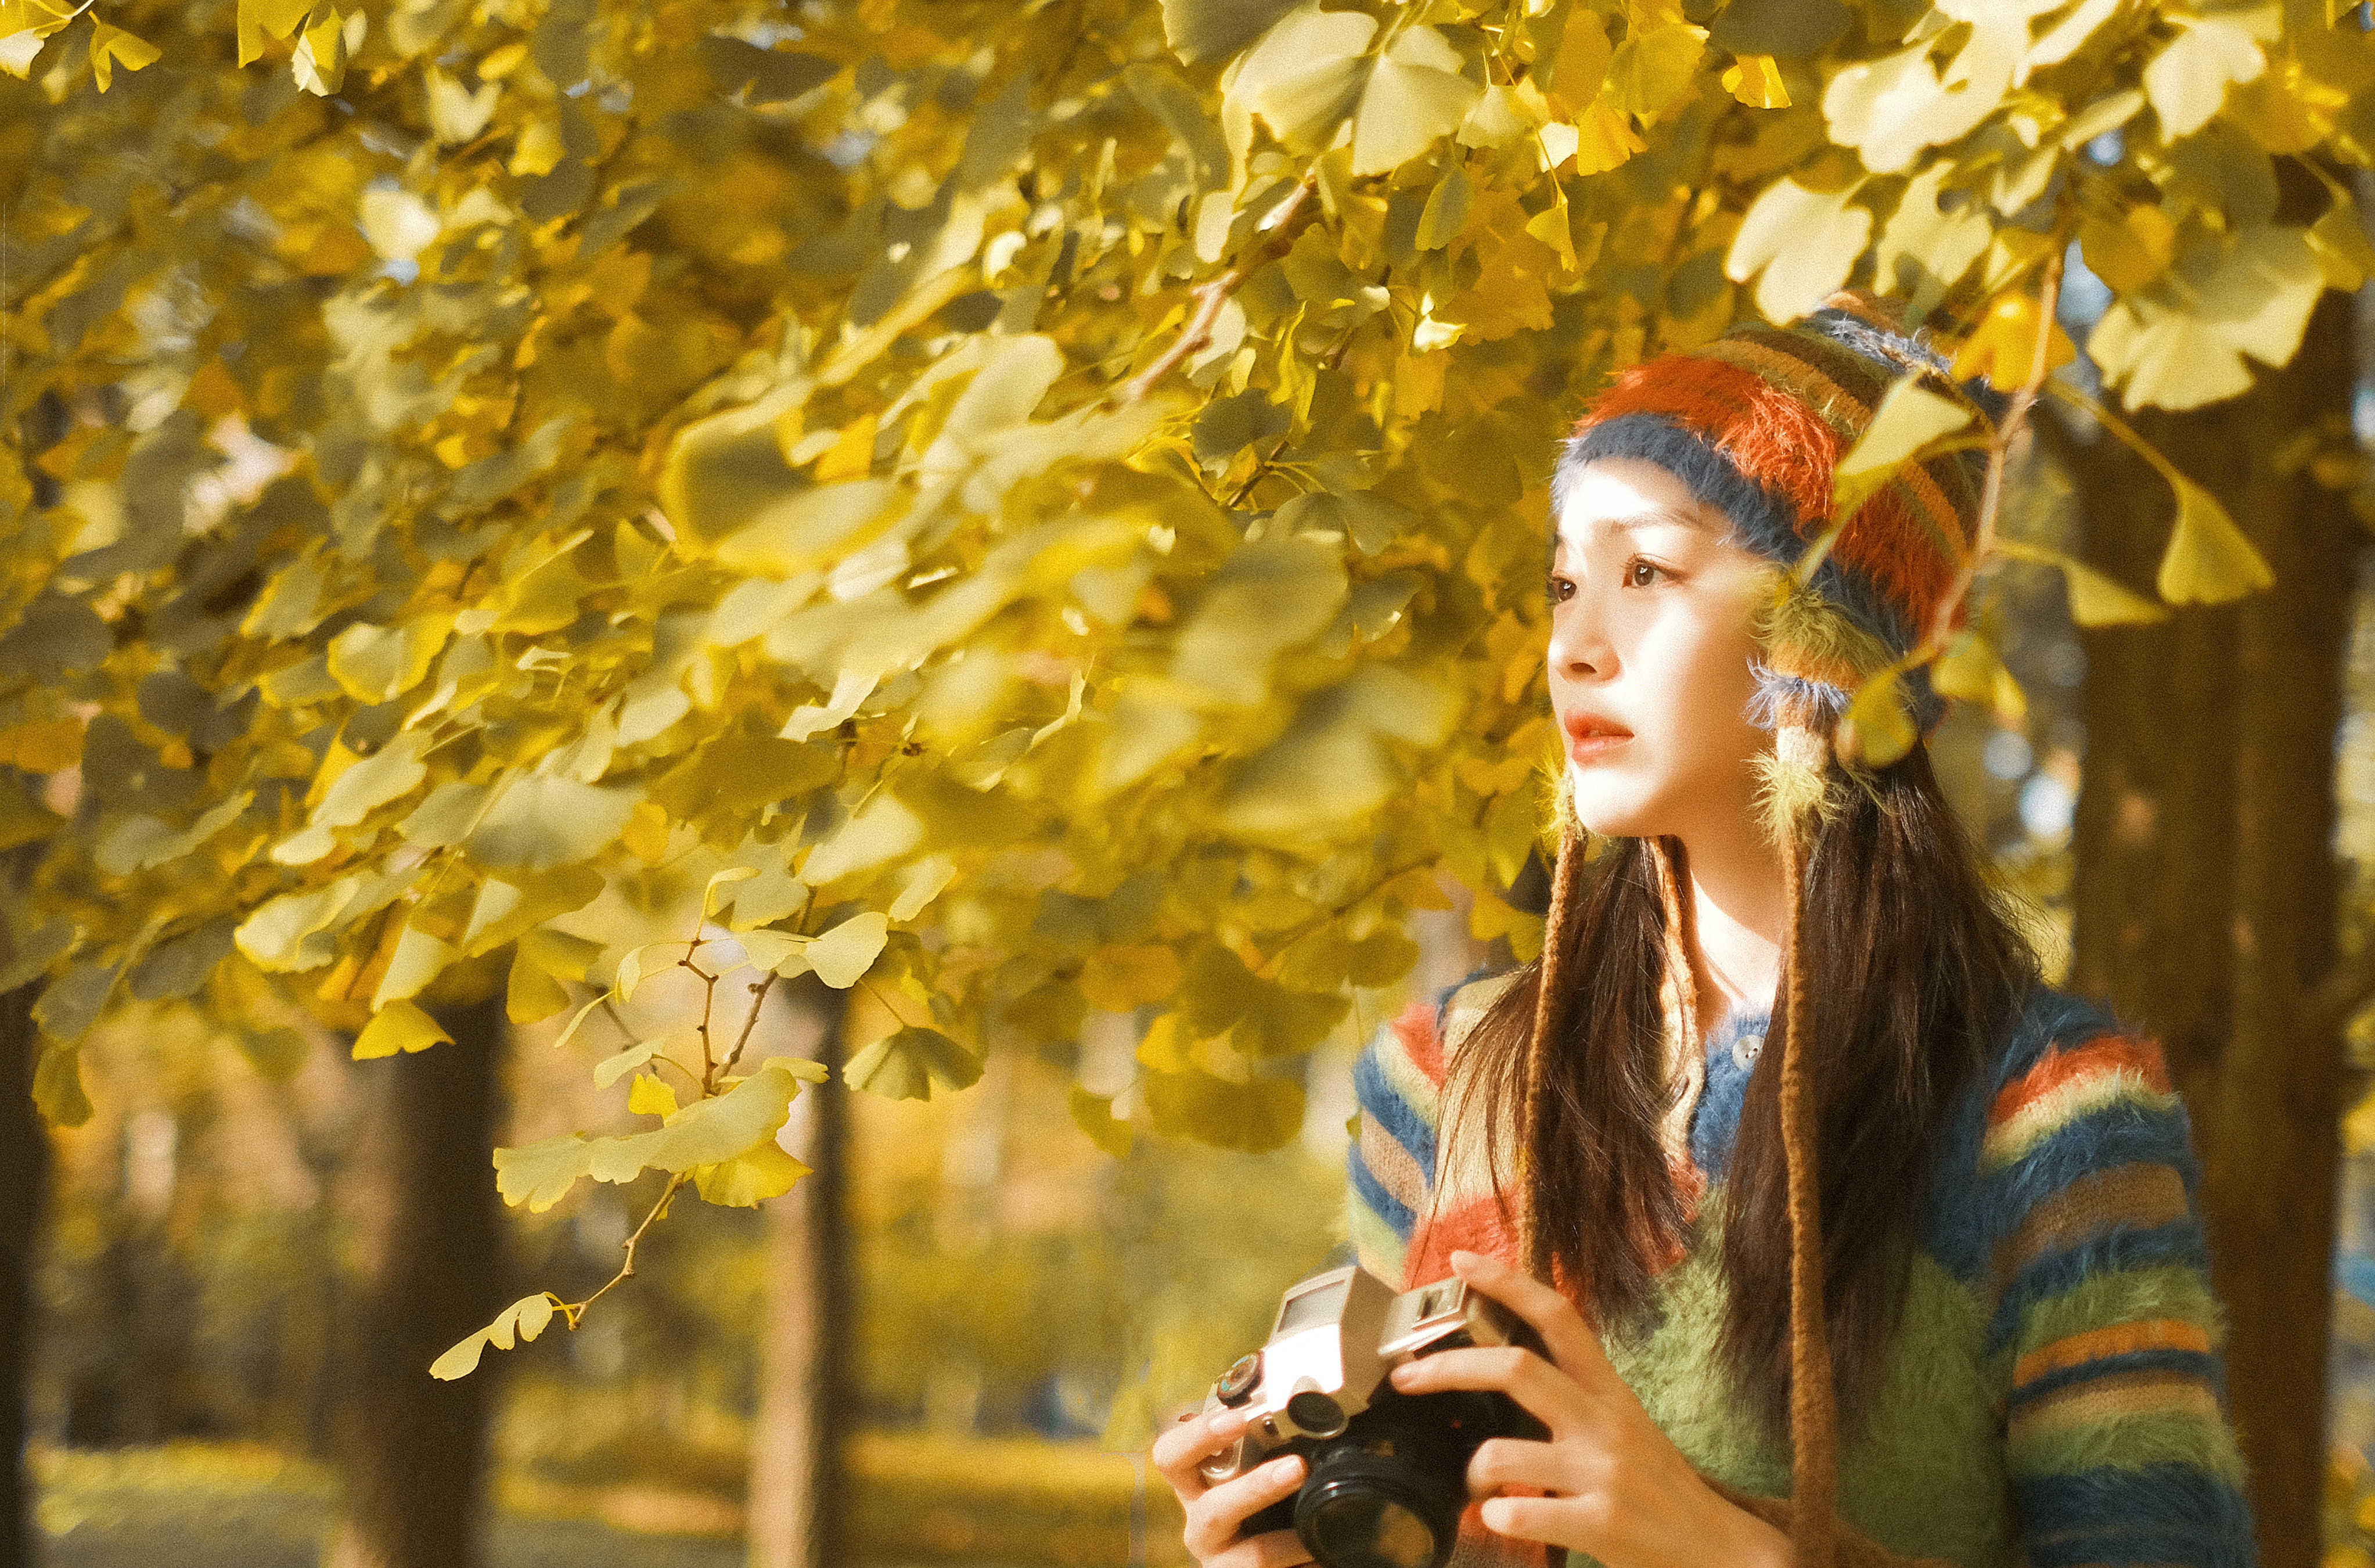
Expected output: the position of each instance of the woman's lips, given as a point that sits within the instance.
(1589, 741)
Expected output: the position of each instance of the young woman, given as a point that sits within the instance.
(2012, 1297)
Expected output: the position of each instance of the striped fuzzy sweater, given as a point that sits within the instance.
(2055, 1396)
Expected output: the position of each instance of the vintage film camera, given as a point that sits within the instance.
(1387, 1471)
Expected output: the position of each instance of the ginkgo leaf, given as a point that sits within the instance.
(1971, 670)
(114, 46)
(541, 822)
(139, 842)
(398, 1027)
(2188, 79)
(1305, 75)
(419, 959)
(610, 1069)
(1416, 94)
(1256, 1116)
(19, 50)
(1213, 30)
(650, 1095)
(748, 1180)
(1312, 71)
(457, 114)
(398, 224)
(1890, 109)
(2208, 560)
(1922, 240)
(1799, 244)
(1652, 69)
(810, 527)
(2182, 342)
(879, 832)
(843, 955)
(1909, 418)
(2095, 599)
(707, 1132)
(1876, 730)
(906, 1064)
(924, 883)
(58, 1093)
(1755, 80)
(516, 1324)
(540, 1175)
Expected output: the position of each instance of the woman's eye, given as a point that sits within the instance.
(1640, 574)
(1561, 590)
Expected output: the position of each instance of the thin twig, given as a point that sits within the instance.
(2000, 447)
(758, 1000)
(1211, 296)
(627, 1269)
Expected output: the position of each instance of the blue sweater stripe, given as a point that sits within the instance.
(2179, 1241)
(2160, 1514)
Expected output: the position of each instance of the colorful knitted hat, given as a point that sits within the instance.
(1755, 423)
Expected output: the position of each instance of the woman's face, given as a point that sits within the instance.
(1650, 652)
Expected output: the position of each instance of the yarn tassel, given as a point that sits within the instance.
(1814, 1416)
(1549, 983)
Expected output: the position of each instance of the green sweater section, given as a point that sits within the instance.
(1925, 1475)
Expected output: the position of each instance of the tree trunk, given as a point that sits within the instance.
(2205, 900)
(23, 1171)
(797, 1513)
(2271, 1191)
(411, 1450)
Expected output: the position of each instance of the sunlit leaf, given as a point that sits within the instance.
(2188, 79)
(516, 1324)
(2208, 560)
(843, 955)
(398, 1027)
(1876, 730)
(906, 1064)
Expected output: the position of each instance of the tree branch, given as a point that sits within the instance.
(1999, 445)
(1213, 295)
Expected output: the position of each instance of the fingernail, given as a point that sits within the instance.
(1404, 1375)
(1290, 1466)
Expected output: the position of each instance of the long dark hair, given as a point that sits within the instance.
(1914, 968)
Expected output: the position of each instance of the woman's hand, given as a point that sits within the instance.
(1216, 1514)
(1607, 1482)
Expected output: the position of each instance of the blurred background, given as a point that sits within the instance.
(1000, 1309)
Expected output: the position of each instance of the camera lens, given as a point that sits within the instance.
(1388, 1499)
(1364, 1531)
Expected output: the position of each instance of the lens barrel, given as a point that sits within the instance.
(1383, 1500)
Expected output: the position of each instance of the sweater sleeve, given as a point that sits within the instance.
(1398, 1083)
(2104, 1333)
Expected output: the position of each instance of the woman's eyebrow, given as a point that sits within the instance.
(1649, 517)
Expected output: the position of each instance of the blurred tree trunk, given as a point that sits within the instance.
(2206, 893)
(24, 1171)
(796, 1514)
(412, 1450)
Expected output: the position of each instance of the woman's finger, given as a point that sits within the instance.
(1546, 1392)
(1217, 1519)
(1560, 1519)
(1187, 1443)
(1502, 1464)
(1566, 1336)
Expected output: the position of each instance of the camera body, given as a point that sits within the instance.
(1387, 1471)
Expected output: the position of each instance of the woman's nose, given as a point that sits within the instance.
(1579, 647)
